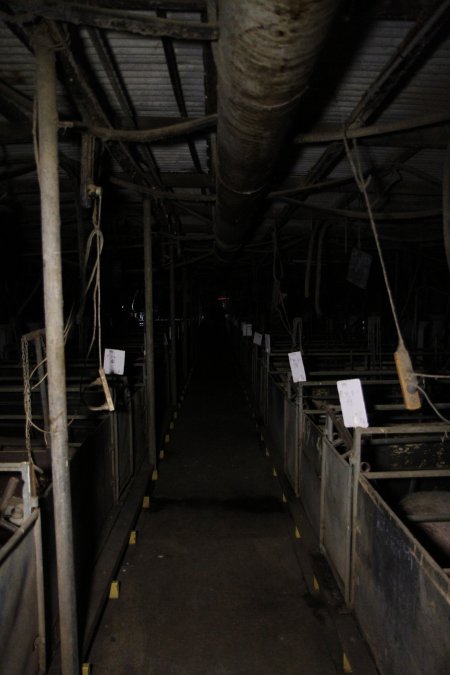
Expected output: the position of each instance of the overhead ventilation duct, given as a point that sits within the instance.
(266, 52)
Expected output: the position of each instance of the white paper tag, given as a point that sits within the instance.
(352, 403)
(297, 367)
(257, 339)
(267, 342)
(114, 361)
(249, 331)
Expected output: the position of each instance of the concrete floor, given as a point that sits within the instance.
(213, 586)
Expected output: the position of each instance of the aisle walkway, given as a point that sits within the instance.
(213, 586)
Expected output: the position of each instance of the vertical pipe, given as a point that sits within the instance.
(185, 324)
(446, 204)
(149, 341)
(173, 337)
(54, 325)
(41, 642)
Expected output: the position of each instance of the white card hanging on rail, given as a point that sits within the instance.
(267, 342)
(352, 403)
(297, 367)
(257, 339)
(249, 332)
(114, 361)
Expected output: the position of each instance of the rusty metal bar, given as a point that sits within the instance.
(149, 341)
(8, 492)
(54, 323)
(116, 20)
(336, 133)
(161, 135)
(418, 473)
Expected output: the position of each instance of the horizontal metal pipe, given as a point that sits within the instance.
(419, 473)
(163, 134)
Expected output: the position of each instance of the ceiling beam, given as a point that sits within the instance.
(406, 60)
(80, 90)
(14, 105)
(336, 132)
(363, 215)
(177, 88)
(398, 10)
(106, 57)
(152, 5)
(11, 134)
(115, 20)
(159, 194)
(187, 180)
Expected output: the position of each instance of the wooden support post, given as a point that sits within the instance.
(54, 326)
(149, 341)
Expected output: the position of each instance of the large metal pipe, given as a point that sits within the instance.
(54, 327)
(149, 341)
(265, 55)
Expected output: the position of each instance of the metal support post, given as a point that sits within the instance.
(185, 324)
(54, 325)
(173, 335)
(149, 341)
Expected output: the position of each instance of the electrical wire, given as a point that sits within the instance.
(95, 276)
(432, 377)
(362, 185)
(431, 404)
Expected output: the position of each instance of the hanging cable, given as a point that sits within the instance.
(95, 276)
(27, 400)
(362, 186)
(281, 307)
(431, 404)
(95, 281)
(433, 377)
(408, 380)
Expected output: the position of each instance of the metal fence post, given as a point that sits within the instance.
(149, 340)
(173, 335)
